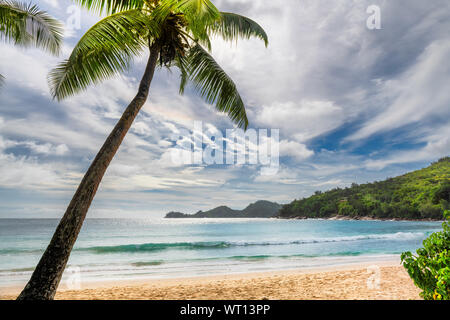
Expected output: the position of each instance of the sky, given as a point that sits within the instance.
(351, 103)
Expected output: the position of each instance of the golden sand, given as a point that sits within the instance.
(339, 283)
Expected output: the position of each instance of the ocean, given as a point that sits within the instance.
(115, 249)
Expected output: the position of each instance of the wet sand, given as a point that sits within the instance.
(379, 280)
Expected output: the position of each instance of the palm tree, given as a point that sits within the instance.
(25, 25)
(177, 33)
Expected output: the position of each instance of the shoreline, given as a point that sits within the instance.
(332, 218)
(349, 281)
(346, 218)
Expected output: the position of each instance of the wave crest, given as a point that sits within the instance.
(146, 247)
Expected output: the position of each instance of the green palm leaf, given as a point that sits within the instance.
(2, 80)
(197, 13)
(110, 6)
(232, 26)
(199, 9)
(203, 10)
(213, 84)
(25, 25)
(182, 65)
(105, 50)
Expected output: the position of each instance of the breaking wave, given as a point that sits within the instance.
(146, 247)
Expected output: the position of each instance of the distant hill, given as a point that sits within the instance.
(259, 209)
(421, 194)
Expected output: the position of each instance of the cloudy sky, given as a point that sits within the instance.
(352, 105)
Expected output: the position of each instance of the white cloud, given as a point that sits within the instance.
(323, 70)
(142, 128)
(303, 120)
(294, 149)
(29, 174)
(418, 94)
(437, 146)
(46, 148)
(53, 3)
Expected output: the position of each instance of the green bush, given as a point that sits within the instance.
(442, 193)
(430, 268)
(430, 210)
(345, 209)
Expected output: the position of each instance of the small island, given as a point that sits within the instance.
(259, 209)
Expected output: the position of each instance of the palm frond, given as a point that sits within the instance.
(110, 6)
(197, 13)
(214, 85)
(2, 80)
(25, 25)
(182, 65)
(105, 50)
(203, 10)
(232, 26)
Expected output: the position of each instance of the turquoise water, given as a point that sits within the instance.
(110, 249)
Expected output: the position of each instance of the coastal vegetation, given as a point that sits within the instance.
(430, 268)
(421, 194)
(25, 25)
(175, 33)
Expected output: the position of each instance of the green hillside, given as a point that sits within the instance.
(421, 194)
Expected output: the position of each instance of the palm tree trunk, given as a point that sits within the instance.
(48, 272)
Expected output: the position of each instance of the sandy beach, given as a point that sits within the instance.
(348, 282)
